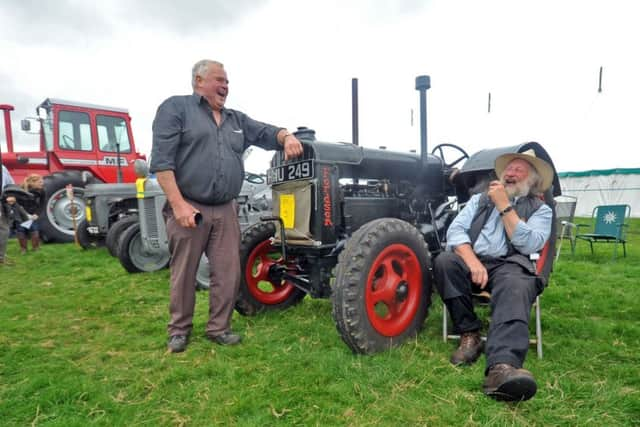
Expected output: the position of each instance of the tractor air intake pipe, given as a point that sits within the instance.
(422, 84)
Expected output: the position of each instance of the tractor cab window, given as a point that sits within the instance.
(112, 131)
(74, 131)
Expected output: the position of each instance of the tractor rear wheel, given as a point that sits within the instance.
(59, 212)
(382, 292)
(133, 256)
(114, 232)
(257, 291)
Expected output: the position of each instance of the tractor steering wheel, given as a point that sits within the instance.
(67, 142)
(440, 153)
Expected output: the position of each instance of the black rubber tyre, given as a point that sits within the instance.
(57, 214)
(257, 293)
(132, 255)
(85, 239)
(202, 275)
(111, 241)
(382, 290)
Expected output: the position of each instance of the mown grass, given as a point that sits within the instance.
(83, 343)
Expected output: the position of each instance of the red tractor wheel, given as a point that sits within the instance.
(382, 292)
(257, 291)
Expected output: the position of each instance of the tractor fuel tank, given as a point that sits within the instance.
(355, 161)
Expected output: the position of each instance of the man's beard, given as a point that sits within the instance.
(519, 189)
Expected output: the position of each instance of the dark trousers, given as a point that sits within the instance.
(4, 237)
(513, 292)
(218, 236)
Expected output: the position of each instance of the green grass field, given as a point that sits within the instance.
(83, 343)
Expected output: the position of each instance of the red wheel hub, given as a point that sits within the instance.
(256, 274)
(393, 290)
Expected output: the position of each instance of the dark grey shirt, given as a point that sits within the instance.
(206, 159)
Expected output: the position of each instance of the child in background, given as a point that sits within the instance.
(34, 184)
(13, 215)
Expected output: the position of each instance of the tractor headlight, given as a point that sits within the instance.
(141, 168)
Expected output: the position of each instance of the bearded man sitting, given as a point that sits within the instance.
(488, 248)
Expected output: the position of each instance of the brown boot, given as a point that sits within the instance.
(23, 244)
(504, 382)
(35, 240)
(469, 349)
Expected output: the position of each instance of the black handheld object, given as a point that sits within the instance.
(197, 217)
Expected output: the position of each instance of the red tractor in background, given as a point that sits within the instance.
(80, 144)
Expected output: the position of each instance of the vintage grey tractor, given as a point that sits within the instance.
(141, 240)
(105, 205)
(360, 226)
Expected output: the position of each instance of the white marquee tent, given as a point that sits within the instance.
(602, 187)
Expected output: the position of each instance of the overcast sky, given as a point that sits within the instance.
(290, 63)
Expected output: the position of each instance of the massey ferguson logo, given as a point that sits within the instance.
(112, 161)
(326, 200)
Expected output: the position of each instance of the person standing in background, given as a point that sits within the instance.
(34, 184)
(4, 220)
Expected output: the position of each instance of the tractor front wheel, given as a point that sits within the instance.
(202, 274)
(382, 293)
(86, 239)
(257, 290)
(133, 256)
(114, 232)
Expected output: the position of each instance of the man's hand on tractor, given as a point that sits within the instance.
(291, 145)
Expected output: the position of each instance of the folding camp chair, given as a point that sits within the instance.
(610, 224)
(565, 210)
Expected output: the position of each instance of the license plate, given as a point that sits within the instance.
(290, 172)
(288, 210)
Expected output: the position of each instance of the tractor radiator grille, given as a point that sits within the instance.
(152, 222)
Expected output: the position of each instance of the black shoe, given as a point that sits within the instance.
(504, 382)
(469, 350)
(178, 343)
(226, 338)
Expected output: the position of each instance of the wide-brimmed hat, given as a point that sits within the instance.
(543, 168)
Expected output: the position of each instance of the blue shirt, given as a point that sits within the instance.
(529, 237)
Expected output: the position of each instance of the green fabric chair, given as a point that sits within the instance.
(610, 223)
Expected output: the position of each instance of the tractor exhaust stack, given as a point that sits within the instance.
(422, 84)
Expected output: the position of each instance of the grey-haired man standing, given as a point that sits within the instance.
(197, 157)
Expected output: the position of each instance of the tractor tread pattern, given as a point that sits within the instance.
(349, 311)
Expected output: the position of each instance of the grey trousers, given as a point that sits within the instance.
(513, 292)
(219, 237)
